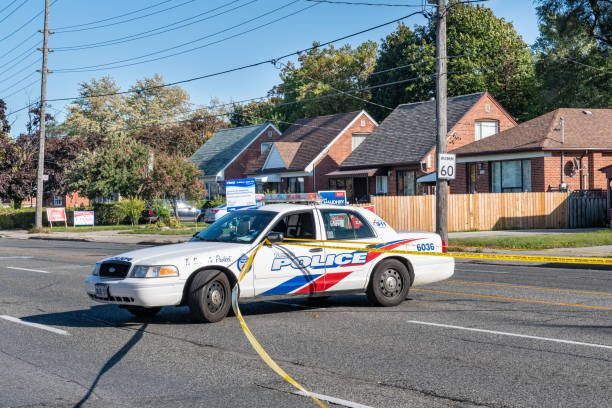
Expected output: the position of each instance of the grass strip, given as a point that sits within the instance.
(544, 241)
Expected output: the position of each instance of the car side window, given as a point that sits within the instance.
(345, 225)
(297, 225)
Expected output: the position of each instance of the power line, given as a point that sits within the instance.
(31, 51)
(140, 35)
(4, 79)
(18, 82)
(353, 3)
(8, 5)
(14, 10)
(273, 60)
(26, 23)
(62, 30)
(18, 45)
(97, 67)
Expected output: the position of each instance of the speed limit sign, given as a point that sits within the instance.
(447, 166)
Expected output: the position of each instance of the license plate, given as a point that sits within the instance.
(101, 291)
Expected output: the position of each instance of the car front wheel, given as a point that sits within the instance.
(389, 283)
(209, 296)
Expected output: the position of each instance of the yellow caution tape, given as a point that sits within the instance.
(522, 258)
(249, 335)
(299, 242)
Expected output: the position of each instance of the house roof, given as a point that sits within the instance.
(585, 129)
(408, 133)
(304, 140)
(224, 146)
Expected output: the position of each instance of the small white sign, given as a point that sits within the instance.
(240, 194)
(447, 166)
(45, 177)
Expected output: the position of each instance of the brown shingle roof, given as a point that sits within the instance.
(305, 139)
(583, 131)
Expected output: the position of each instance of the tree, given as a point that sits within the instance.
(484, 53)
(117, 167)
(574, 64)
(322, 72)
(97, 110)
(18, 169)
(171, 177)
(61, 156)
(5, 146)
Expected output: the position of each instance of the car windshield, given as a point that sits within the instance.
(240, 227)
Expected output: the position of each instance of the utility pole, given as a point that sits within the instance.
(441, 184)
(41, 142)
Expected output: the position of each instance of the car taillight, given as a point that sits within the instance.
(443, 246)
(215, 211)
(150, 212)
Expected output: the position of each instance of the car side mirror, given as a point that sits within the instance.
(274, 237)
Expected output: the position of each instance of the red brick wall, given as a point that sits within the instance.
(237, 169)
(339, 151)
(75, 200)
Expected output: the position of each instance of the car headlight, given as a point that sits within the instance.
(96, 270)
(153, 271)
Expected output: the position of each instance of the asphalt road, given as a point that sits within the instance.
(495, 335)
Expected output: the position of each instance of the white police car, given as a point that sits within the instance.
(202, 272)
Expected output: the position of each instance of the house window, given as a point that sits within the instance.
(363, 122)
(269, 133)
(472, 178)
(296, 184)
(57, 201)
(381, 185)
(485, 128)
(265, 146)
(510, 176)
(345, 183)
(406, 183)
(358, 139)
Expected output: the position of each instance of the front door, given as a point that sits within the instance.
(347, 269)
(288, 269)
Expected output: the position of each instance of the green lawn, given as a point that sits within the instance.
(575, 240)
(189, 228)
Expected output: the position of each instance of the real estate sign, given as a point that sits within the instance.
(83, 218)
(333, 197)
(240, 194)
(57, 214)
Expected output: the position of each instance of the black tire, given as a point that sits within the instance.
(389, 283)
(209, 297)
(200, 218)
(140, 311)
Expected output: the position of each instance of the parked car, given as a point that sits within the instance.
(186, 211)
(213, 214)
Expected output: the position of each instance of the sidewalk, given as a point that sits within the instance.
(99, 236)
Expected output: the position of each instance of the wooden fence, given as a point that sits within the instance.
(494, 211)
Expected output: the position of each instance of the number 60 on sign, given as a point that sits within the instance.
(447, 166)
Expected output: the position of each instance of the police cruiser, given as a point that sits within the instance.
(202, 272)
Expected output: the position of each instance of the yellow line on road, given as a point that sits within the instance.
(506, 285)
(516, 299)
(43, 254)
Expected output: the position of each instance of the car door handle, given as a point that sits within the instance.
(315, 250)
(372, 246)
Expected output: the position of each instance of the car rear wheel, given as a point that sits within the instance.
(139, 311)
(209, 296)
(389, 283)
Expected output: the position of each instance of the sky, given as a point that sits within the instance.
(289, 26)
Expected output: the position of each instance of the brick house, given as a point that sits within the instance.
(69, 200)
(399, 157)
(309, 150)
(560, 150)
(229, 152)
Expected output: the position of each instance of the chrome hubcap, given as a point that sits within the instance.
(215, 296)
(390, 283)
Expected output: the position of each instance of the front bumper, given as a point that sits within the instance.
(146, 292)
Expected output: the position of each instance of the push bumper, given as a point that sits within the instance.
(146, 292)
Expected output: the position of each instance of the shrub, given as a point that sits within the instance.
(161, 209)
(107, 214)
(131, 208)
(214, 202)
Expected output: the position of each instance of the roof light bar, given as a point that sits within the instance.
(308, 198)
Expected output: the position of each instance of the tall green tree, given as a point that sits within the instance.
(574, 47)
(325, 71)
(485, 53)
(118, 166)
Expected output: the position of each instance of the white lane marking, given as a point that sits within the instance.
(26, 269)
(38, 326)
(15, 257)
(448, 326)
(333, 400)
